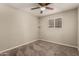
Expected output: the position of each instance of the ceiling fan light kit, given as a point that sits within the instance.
(43, 8)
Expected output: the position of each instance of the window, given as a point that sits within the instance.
(51, 23)
(58, 23)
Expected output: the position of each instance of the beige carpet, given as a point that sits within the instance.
(42, 48)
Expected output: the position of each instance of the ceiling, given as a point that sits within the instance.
(58, 7)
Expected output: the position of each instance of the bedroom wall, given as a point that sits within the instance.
(78, 29)
(67, 35)
(16, 27)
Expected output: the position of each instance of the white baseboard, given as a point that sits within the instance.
(59, 43)
(16, 46)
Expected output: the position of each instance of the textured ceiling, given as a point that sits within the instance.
(58, 7)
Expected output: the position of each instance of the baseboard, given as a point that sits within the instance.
(17, 46)
(59, 43)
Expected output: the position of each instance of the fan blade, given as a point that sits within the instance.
(41, 12)
(47, 4)
(49, 8)
(35, 8)
(43, 4)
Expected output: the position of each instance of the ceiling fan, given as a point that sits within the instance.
(42, 7)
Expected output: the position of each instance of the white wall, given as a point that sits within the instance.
(16, 27)
(78, 29)
(67, 35)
